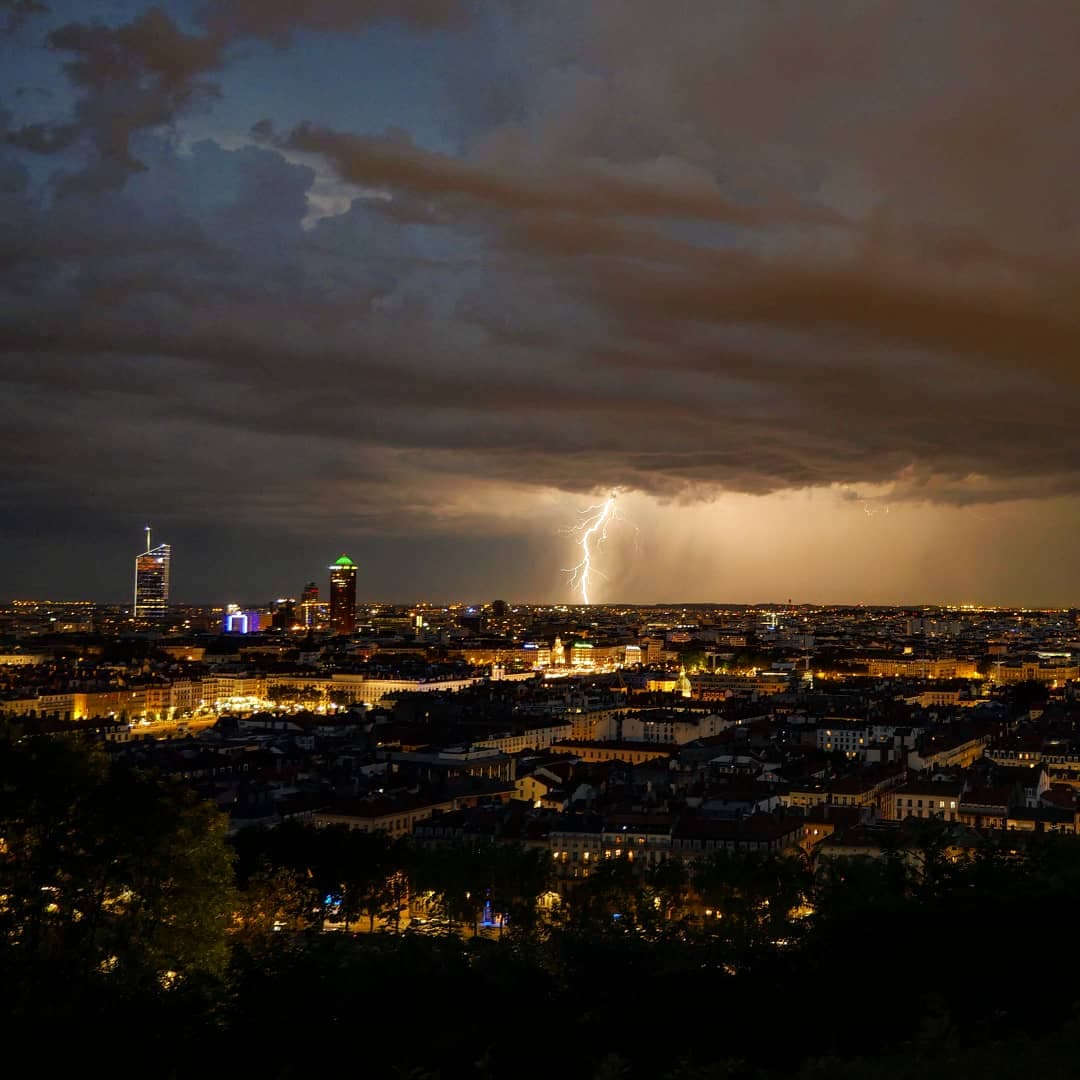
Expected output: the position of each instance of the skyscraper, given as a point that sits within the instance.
(312, 612)
(343, 596)
(152, 581)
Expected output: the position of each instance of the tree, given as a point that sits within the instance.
(309, 695)
(670, 882)
(361, 864)
(117, 883)
(460, 873)
(274, 901)
(693, 659)
(365, 870)
(607, 899)
(518, 876)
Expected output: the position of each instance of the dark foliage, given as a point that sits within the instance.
(130, 925)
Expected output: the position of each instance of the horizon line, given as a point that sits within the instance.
(571, 605)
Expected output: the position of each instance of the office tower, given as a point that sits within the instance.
(343, 596)
(310, 607)
(152, 581)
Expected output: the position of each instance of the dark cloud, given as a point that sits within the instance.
(132, 77)
(277, 20)
(18, 11)
(141, 75)
(661, 189)
(677, 249)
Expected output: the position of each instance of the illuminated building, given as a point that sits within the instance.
(240, 622)
(581, 654)
(152, 581)
(343, 596)
(310, 607)
(945, 668)
(558, 652)
(1055, 673)
(682, 686)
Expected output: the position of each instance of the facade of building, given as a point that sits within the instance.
(343, 596)
(840, 736)
(1006, 674)
(923, 668)
(717, 687)
(359, 688)
(670, 727)
(311, 612)
(536, 737)
(152, 581)
(630, 753)
(954, 752)
(939, 799)
(395, 816)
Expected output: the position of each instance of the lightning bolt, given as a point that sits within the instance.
(590, 533)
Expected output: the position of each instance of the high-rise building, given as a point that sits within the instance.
(343, 596)
(152, 581)
(312, 611)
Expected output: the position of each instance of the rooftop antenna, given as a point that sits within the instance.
(146, 529)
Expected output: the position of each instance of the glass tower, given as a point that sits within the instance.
(343, 596)
(152, 581)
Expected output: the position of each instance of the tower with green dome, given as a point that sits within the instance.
(343, 596)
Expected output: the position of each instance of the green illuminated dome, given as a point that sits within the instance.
(343, 561)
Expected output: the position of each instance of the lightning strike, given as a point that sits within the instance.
(590, 533)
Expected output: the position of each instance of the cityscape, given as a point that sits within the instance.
(723, 779)
(538, 538)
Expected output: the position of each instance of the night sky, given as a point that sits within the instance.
(419, 280)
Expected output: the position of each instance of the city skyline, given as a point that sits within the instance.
(794, 282)
(252, 580)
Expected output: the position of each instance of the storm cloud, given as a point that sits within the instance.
(690, 252)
